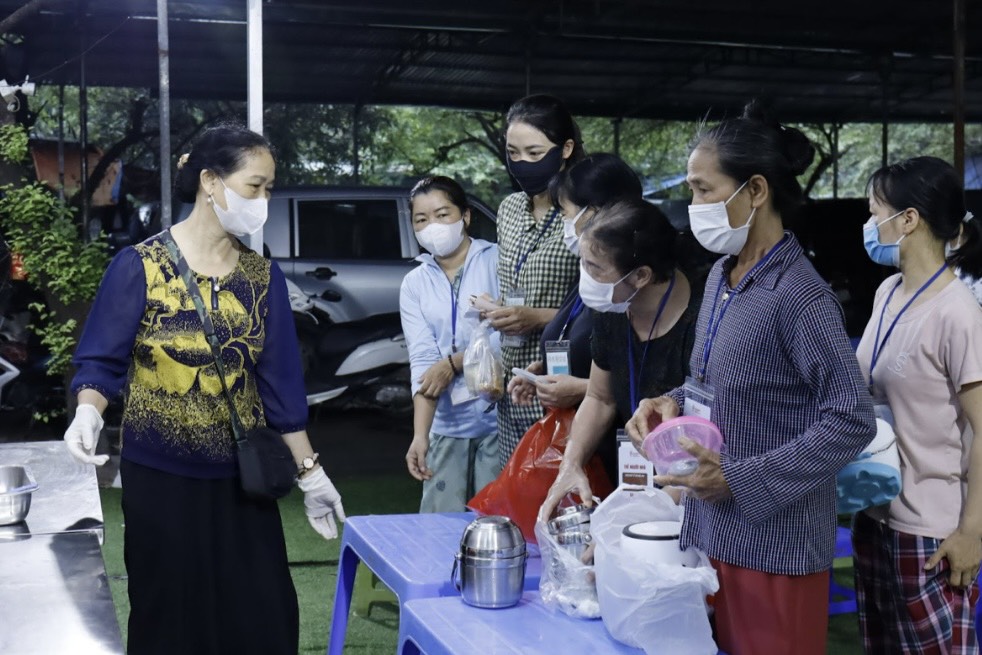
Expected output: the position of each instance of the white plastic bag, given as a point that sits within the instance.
(567, 584)
(660, 608)
(484, 372)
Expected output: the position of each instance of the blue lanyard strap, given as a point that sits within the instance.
(714, 321)
(535, 244)
(573, 313)
(877, 344)
(454, 293)
(635, 381)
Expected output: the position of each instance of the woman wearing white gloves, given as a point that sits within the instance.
(207, 566)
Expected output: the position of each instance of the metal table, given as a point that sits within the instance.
(54, 592)
(54, 597)
(67, 499)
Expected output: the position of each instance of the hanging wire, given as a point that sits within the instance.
(84, 52)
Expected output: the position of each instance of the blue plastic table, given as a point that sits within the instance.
(412, 554)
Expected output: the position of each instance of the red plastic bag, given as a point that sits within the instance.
(521, 488)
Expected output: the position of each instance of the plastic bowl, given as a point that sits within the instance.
(663, 450)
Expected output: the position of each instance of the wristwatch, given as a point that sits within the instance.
(307, 465)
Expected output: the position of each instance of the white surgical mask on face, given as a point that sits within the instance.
(441, 239)
(570, 238)
(244, 216)
(711, 226)
(599, 296)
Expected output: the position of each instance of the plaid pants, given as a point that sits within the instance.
(513, 422)
(902, 608)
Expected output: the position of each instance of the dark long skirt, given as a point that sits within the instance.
(207, 568)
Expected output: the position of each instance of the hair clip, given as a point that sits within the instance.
(183, 159)
(968, 216)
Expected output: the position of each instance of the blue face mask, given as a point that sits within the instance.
(887, 254)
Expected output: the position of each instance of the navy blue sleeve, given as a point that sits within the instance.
(102, 358)
(279, 373)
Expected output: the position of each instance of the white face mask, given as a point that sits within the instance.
(599, 296)
(570, 238)
(244, 216)
(441, 239)
(711, 226)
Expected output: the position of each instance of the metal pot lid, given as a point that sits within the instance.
(569, 521)
(492, 536)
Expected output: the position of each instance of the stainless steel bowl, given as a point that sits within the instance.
(16, 487)
(571, 518)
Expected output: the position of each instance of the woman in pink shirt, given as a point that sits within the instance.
(917, 558)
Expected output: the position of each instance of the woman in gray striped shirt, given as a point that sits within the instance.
(773, 369)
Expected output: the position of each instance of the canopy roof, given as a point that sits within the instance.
(833, 60)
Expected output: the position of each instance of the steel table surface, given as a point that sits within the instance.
(54, 596)
(67, 499)
(412, 554)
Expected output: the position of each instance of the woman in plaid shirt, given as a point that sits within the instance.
(773, 369)
(535, 268)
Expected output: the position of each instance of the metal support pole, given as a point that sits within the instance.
(835, 160)
(83, 119)
(254, 97)
(61, 142)
(355, 144)
(958, 82)
(163, 73)
(617, 136)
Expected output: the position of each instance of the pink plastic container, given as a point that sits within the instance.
(662, 448)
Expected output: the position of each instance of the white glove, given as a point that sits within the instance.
(322, 503)
(82, 435)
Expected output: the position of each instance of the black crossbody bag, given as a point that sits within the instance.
(267, 470)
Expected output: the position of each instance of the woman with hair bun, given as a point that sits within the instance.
(772, 367)
(535, 268)
(206, 564)
(917, 558)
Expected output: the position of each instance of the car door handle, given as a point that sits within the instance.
(330, 295)
(322, 273)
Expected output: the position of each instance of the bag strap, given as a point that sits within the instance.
(199, 304)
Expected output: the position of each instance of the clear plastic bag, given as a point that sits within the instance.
(567, 584)
(484, 372)
(660, 608)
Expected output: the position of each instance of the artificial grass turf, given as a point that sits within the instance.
(313, 563)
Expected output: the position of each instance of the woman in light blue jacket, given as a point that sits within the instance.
(455, 443)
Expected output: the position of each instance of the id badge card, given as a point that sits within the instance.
(698, 398)
(459, 393)
(557, 357)
(514, 298)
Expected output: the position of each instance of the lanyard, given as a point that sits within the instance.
(454, 293)
(573, 313)
(877, 344)
(535, 244)
(713, 326)
(635, 380)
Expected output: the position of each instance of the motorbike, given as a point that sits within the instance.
(26, 388)
(363, 363)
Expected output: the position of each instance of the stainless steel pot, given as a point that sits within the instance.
(491, 563)
(16, 487)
